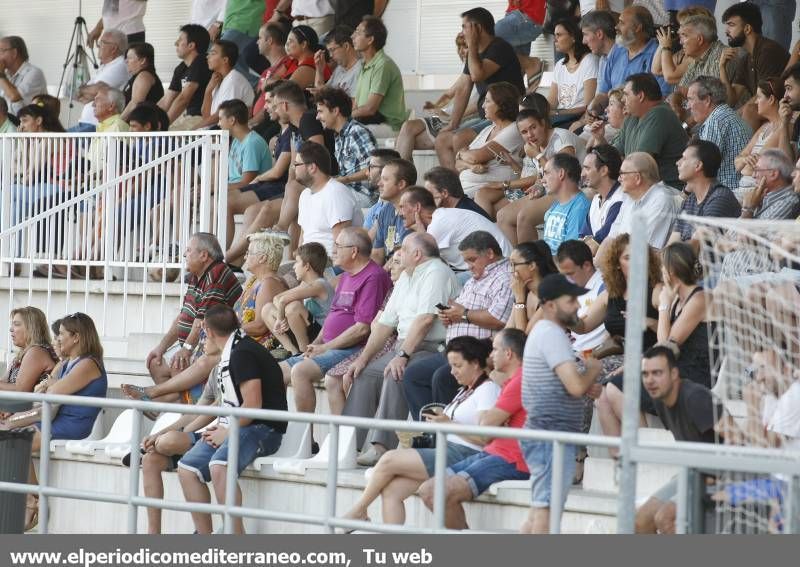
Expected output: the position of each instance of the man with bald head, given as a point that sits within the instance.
(411, 312)
(359, 296)
(644, 193)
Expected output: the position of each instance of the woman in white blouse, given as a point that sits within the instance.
(574, 77)
(484, 160)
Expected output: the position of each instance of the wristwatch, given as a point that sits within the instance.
(403, 354)
(188, 347)
(464, 315)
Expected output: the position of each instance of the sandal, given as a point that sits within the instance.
(32, 508)
(577, 479)
(139, 394)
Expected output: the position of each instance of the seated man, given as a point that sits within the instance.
(789, 140)
(600, 173)
(326, 206)
(411, 313)
(698, 36)
(719, 124)
(184, 97)
(397, 175)
(449, 227)
(19, 80)
(698, 168)
(687, 409)
(211, 282)
(348, 64)
(445, 186)
(353, 142)
(501, 459)
(248, 157)
(650, 126)
(226, 83)
(644, 192)
(564, 218)
(379, 100)
(377, 159)
(248, 377)
(361, 291)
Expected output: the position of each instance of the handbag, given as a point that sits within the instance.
(609, 347)
(426, 440)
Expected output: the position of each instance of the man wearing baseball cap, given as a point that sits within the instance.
(553, 387)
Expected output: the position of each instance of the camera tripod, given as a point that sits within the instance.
(78, 58)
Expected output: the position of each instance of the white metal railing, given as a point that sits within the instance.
(115, 207)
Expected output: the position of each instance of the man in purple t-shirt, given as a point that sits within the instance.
(359, 296)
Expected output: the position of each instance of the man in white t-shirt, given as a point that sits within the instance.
(112, 73)
(326, 206)
(126, 16)
(207, 12)
(226, 82)
(644, 193)
(449, 226)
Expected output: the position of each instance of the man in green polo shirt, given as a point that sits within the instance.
(380, 99)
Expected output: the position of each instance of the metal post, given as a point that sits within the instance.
(44, 465)
(440, 470)
(634, 330)
(557, 487)
(792, 511)
(232, 473)
(682, 502)
(333, 475)
(133, 479)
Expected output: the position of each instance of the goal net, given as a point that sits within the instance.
(753, 271)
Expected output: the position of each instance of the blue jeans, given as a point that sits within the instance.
(255, 440)
(778, 16)
(539, 457)
(326, 360)
(518, 30)
(242, 40)
(428, 380)
(82, 127)
(482, 470)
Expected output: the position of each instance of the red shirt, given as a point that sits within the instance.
(283, 69)
(510, 401)
(534, 9)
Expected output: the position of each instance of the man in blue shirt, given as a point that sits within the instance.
(564, 218)
(390, 229)
(633, 52)
(248, 156)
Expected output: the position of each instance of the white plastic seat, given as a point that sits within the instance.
(96, 433)
(120, 434)
(295, 445)
(118, 450)
(346, 457)
(164, 420)
(508, 484)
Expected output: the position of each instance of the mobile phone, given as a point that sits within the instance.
(441, 307)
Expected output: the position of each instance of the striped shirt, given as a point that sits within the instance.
(544, 397)
(730, 133)
(217, 285)
(491, 292)
(719, 202)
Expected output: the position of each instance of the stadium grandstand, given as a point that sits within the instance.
(401, 266)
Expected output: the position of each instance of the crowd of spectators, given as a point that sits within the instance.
(490, 290)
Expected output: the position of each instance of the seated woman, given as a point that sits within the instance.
(144, 84)
(262, 260)
(301, 45)
(682, 312)
(485, 160)
(768, 97)
(82, 373)
(518, 220)
(295, 316)
(574, 76)
(609, 309)
(530, 263)
(35, 358)
(400, 472)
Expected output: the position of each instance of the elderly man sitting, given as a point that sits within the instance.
(412, 313)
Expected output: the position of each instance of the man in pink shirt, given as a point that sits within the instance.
(501, 459)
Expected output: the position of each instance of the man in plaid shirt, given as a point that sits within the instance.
(353, 143)
(480, 310)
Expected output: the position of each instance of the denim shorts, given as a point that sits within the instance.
(539, 456)
(455, 452)
(518, 30)
(482, 470)
(475, 124)
(257, 440)
(326, 360)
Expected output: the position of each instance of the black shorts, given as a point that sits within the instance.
(313, 330)
(266, 190)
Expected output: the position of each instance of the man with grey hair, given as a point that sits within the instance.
(112, 73)
(19, 80)
(773, 197)
(359, 296)
(719, 123)
(644, 193)
(599, 35)
(411, 312)
(210, 282)
(698, 35)
(107, 105)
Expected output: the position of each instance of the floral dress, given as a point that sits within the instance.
(245, 309)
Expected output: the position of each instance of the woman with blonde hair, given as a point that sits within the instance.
(82, 373)
(262, 260)
(35, 358)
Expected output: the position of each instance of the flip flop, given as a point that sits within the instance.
(138, 393)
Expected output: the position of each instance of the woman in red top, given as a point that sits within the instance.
(301, 45)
